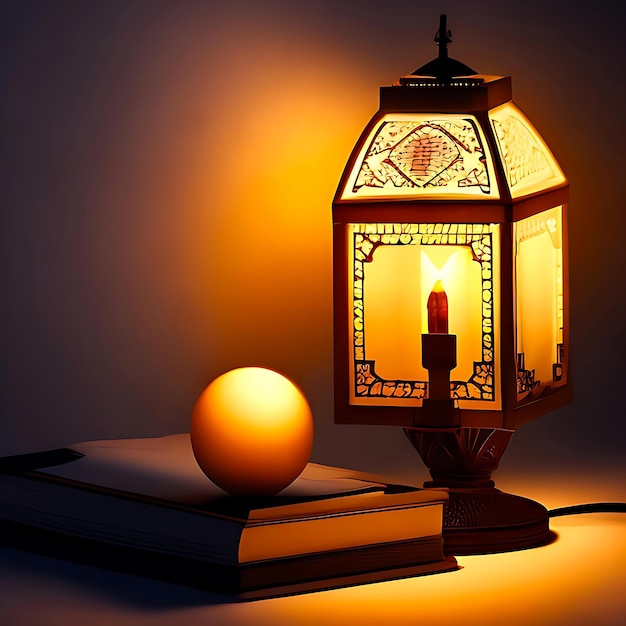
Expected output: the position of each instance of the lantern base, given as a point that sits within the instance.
(486, 521)
(478, 518)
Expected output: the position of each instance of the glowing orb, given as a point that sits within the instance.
(252, 431)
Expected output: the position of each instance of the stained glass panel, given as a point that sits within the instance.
(394, 267)
(539, 308)
(423, 155)
(528, 162)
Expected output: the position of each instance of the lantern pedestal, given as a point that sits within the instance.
(478, 519)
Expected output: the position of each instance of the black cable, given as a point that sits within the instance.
(597, 507)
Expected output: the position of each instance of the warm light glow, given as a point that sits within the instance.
(423, 155)
(395, 268)
(547, 586)
(528, 163)
(252, 431)
(539, 298)
(544, 586)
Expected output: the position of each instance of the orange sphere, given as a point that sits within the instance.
(252, 431)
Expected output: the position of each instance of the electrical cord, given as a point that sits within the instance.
(597, 507)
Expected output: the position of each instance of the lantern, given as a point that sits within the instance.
(450, 287)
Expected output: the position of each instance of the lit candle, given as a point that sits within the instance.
(437, 310)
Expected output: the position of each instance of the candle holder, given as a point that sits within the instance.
(477, 517)
(451, 184)
(439, 358)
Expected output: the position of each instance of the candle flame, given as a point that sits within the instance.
(438, 287)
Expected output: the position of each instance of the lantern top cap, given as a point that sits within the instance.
(445, 84)
(442, 70)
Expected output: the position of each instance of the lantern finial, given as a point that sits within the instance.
(442, 37)
(444, 68)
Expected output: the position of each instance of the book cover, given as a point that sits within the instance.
(144, 506)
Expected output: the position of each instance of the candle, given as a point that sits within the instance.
(437, 310)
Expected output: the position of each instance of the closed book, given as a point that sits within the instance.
(145, 507)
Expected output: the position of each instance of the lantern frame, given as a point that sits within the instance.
(476, 99)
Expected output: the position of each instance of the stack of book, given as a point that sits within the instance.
(143, 506)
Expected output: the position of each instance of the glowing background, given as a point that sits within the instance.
(168, 171)
(167, 174)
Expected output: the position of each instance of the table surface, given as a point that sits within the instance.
(580, 579)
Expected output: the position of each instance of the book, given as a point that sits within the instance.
(144, 506)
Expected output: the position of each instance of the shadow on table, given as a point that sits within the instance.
(26, 568)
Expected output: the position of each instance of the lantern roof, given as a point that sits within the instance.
(447, 132)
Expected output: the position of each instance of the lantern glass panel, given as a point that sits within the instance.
(394, 267)
(423, 155)
(528, 163)
(539, 303)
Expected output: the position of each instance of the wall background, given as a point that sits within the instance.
(166, 182)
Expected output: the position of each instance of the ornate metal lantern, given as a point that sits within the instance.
(450, 286)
